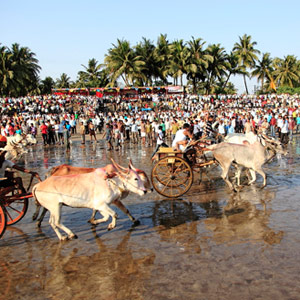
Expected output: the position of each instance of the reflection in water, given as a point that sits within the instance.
(112, 273)
(242, 221)
(239, 221)
(176, 221)
(171, 213)
(6, 278)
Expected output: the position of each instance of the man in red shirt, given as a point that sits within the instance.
(44, 131)
(273, 123)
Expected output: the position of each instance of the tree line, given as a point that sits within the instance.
(203, 69)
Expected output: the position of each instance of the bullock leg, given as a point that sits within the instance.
(37, 211)
(121, 206)
(238, 175)
(225, 169)
(92, 219)
(41, 218)
(54, 227)
(102, 220)
(253, 175)
(264, 176)
(106, 212)
(55, 214)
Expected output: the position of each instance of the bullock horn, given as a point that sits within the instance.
(130, 165)
(117, 166)
(273, 141)
(270, 140)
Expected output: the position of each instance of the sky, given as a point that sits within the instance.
(65, 34)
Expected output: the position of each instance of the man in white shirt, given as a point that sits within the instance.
(221, 128)
(134, 132)
(196, 130)
(6, 178)
(279, 125)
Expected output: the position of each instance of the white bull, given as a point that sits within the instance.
(16, 146)
(239, 138)
(88, 190)
(251, 138)
(251, 156)
(109, 171)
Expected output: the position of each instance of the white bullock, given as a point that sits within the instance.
(251, 156)
(251, 138)
(109, 171)
(239, 138)
(16, 146)
(90, 190)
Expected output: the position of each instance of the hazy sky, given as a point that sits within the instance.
(66, 34)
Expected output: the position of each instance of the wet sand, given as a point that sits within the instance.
(209, 244)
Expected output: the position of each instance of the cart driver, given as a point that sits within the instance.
(180, 141)
(6, 178)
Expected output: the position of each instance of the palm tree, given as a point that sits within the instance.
(162, 56)
(230, 89)
(146, 51)
(233, 67)
(178, 62)
(6, 71)
(121, 61)
(286, 71)
(198, 60)
(246, 53)
(64, 81)
(263, 69)
(47, 85)
(91, 77)
(217, 67)
(26, 70)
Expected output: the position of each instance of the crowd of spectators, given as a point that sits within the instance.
(57, 117)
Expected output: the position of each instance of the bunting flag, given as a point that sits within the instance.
(272, 84)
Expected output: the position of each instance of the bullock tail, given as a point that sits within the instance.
(34, 195)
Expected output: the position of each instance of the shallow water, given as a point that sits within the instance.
(209, 244)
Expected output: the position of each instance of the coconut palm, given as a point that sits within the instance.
(246, 54)
(92, 75)
(19, 70)
(263, 69)
(179, 59)
(230, 89)
(121, 61)
(198, 60)
(47, 85)
(286, 71)
(218, 65)
(233, 67)
(6, 71)
(146, 51)
(162, 56)
(64, 81)
(26, 69)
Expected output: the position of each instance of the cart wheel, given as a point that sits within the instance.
(172, 176)
(15, 210)
(2, 220)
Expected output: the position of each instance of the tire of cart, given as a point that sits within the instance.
(3, 219)
(172, 176)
